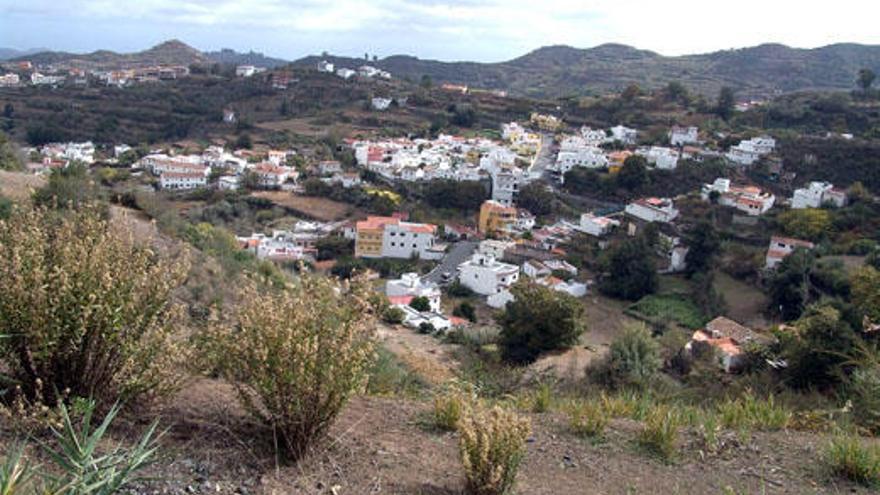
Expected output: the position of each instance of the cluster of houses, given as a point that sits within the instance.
(506, 165)
(749, 151)
(184, 172)
(55, 76)
(394, 237)
(290, 245)
(364, 71)
(751, 200)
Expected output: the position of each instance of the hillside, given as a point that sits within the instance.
(232, 57)
(172, 52)
(562, 70)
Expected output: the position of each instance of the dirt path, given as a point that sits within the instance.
(424, 354)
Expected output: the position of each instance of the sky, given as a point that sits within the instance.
(485, 31)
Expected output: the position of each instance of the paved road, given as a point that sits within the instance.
(459, 253)
(546, 157)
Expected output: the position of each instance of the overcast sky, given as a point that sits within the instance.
(482, 30)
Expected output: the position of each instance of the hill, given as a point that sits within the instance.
(232, 57)
(10, 53)
(173, 52)
(563, 70)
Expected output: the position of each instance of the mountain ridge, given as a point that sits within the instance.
(562, 70)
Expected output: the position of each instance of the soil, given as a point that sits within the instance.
(322, 209)
(381, 445)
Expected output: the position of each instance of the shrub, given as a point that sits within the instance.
(633, 359)
(393, 316)
(588, 419)
(660, 432)
(86, 311)
(492, 446)
(848, 458)
(426, 328)
(420, 304)
(465, 310)
(449, 407)
(15, 473)
(542, 398)
(389, 376)
(864, 392)
(295, 356)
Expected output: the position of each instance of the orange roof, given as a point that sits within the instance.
(792, 241)
(375, 223)
(420, 228)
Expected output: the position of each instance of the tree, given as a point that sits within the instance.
(537, 198)
(820, 344)
(789, 286)
(633, 358)
(464, 115)
(631, 92)
(464, 196)
(634, 173)
(808, 223)
(426, 82)
(333, 247)
(539, 320)
(86, 311)
(726, 103)
(243, 141)
(866, 79)
(296, 355)
(465, 310)
(9, 159)
(865, 291)
(703, 244)
(393, 315)
(677, 92)
(629, 271)
(69, 187)
(8, 111)
(420, 304)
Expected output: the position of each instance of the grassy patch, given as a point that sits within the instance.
(849, 458)
(389, 376)
(659, 434)
(587, 419)
(668, 308)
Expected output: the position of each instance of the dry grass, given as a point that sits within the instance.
(19, 186)
(322, 209)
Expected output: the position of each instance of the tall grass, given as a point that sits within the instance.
(849, 458)
(751, 413)
(659, 433)
(587, 419)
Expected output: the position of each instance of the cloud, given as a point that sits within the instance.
(464, 29)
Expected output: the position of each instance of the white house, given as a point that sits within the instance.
(381, 103)
(391, 237)
(229, 183)
(662, 158)
(245, 70)
(593, 137)
(596, 226)
(272, 176)
(587, 157)
(414, 319)
(500, 299)
(816, 194)
(345, 73)
(750, 151)
(495, 248)
(506, 184)
(486, 276)
(182, 180)
(409, 284)
(10, 79)
(751, 200)
(624, 134)
(325, 66)
(653, 209)
(680, 136)
(535, 269)
(329, 167)
(780, 247)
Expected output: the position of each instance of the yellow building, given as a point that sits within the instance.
(495, 217)
(368, 242)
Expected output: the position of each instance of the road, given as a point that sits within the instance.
(460, 252)
(546, 155)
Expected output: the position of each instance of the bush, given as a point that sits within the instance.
(389, 377)
(492, 445)
(629, 271)
(848, 458)
(393, 316)
(864, 392)
(660, 432)
(633, 359)
(449, 407)
(465, 310)
(86, 312)
(542, 398)
(295, 356)
(420, 304)
(539, 320)
(587, 419)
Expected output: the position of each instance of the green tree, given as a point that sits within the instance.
(68, 187)
(420, 304)
(243, 141)
(865, 290)
(819, 345)
(9, 159)
(393, 315)
(633, 174)
(633, 358)
(677, 92)
(703, 244)
(726, 103)
(790, 285)
(808, 223)
(465, 310)
(866, 79)
(426, 82)
(539, 320)
(631, 92)
(629, 271)
(537, 198)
